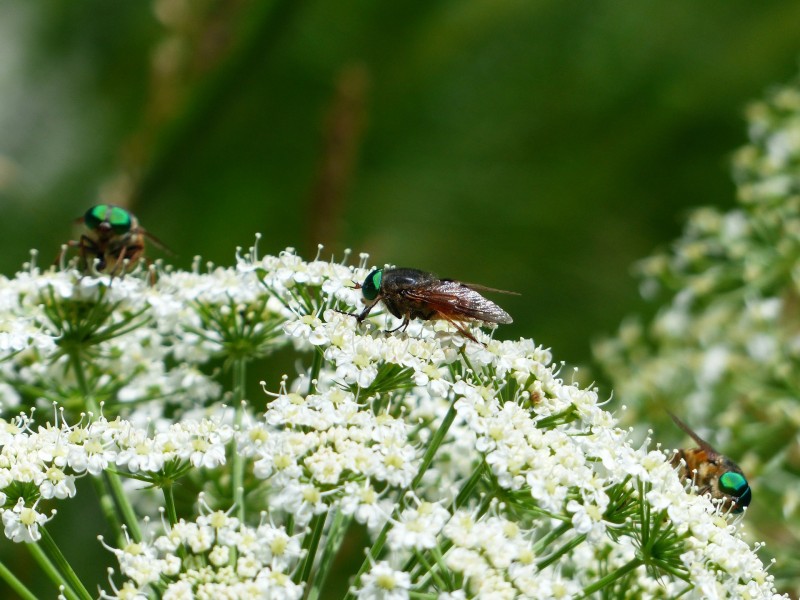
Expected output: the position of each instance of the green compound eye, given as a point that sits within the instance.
(118, 218)
(372, 285)
(95, 215)
(734, 484)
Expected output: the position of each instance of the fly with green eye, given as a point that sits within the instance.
(414, 294)
(112, 241)
(712, 472)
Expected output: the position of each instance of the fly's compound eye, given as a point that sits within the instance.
(734, 484)
(95, 215)
(372, 285)
(119, 218)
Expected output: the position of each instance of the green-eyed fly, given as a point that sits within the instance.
(712, 472)
(414, 294)
(112, 241)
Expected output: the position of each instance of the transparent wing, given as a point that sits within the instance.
(700, 441)
(457, 300)
(482, 288)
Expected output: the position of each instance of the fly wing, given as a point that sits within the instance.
(700, 441)
(458, 301)
(156, 242)
(482, 288)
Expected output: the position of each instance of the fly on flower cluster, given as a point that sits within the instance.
(112, 241)
(414, 294)
(712, 472)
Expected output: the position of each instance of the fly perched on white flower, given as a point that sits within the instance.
(712, 472)
(112, 241)
(414, 294)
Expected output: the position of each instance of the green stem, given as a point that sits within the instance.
(107, 505)
(612, 577)
(336, 533)
(124, 505)
(169, 503)
(430, 571)
(568, 547)
(551, 537)
(237, 467)
(112, 480)
(679, 572)
(316, 365)
(50, 570)
(433, 446)
(71, 580)
(427, 459)
(15, 584)
(310, 545)
(644, 516)
(77, 368)
(466, 491)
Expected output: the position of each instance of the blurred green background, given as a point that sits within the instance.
(541, 147)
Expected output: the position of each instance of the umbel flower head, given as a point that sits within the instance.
(723, 351)
(471, 468)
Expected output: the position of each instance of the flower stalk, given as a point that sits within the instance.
(65, 574)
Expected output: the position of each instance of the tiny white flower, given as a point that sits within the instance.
(21, 523)
(384, 583)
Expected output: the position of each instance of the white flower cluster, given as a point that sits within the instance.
(477, 470)
(724, 349)
(133, 332)
(214, 556)
(51, 457)
(322, 449)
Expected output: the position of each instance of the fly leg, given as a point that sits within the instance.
(461, 329)
(402, 327)
(88, 251)
(131, 253)
(363, 314)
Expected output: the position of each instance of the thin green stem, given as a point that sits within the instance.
(15, 584)
(107, 505)
(551, 537)
(124, 505)
(466, 490)
(644, 516)
(612, 577)
(112, 480)
(310, 545)
(433, 446)
(336, 533)
(169, 503)
(566, 548)
(678, 572)
(77, 368)
(50, 570)
(237, 467)
(70, 578)
(430, 571)
(316, 366)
